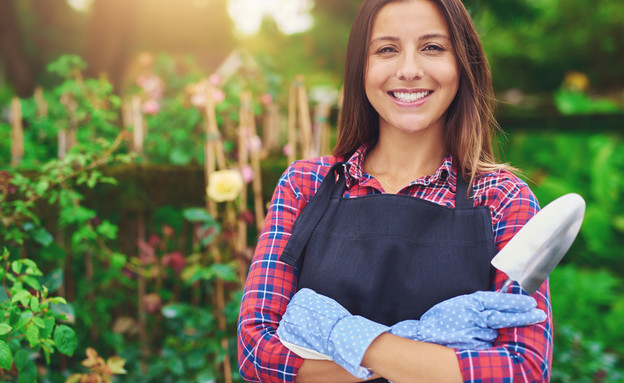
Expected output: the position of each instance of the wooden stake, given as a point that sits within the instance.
(321, 140)
(254, 152)
(243, 161)
(212, 129)
(210, 152)
(292, 123)
(305, 124)
(42, 105)
(141, 291)
(271, 128)
(138, 128)
(17, 132)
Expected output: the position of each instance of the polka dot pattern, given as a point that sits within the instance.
(470, 321)
(317, 322)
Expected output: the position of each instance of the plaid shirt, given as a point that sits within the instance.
(522, 354)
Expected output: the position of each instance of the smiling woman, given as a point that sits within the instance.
(291, 16)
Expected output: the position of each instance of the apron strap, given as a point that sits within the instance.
(462, 199)
(312, 213)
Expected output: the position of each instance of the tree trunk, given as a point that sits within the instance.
(111, 33)
(18, 67)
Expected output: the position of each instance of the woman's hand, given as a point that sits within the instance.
(319, 323)
(470, 321)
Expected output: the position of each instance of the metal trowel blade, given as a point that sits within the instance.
(535, 250)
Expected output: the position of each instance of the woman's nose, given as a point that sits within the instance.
(409, 68)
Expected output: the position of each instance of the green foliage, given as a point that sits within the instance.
(585, 351)
(542, 40)
(192, 346)
(67, 66)
(577, 102)
(587, 164)
(586, 298)
(29, 325)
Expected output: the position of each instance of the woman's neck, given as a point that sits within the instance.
(398, 159)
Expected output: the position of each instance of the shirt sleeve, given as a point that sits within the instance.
(520, 354)
(271, 283)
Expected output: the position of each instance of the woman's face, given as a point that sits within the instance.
(412, 74)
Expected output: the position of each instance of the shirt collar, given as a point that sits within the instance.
(446, 173)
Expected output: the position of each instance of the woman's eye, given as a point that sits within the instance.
(386, 50)
(433, 47)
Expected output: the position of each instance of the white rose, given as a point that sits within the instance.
(224, 185)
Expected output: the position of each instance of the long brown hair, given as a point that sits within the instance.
(470, 124)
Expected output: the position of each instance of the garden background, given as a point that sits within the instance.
(118, 265)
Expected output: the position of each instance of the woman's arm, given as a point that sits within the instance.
(270, 285)
(404, 360)
(323, 371)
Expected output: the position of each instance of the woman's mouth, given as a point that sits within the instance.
(410, 97)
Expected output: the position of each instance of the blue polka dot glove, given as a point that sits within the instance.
(317, 322)
(470, 321)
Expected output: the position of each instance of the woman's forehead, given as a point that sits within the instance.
(409, 19)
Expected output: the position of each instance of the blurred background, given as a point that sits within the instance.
(122, 262)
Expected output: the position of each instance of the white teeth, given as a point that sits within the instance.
(410, 97)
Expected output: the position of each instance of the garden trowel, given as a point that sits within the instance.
(530, 256)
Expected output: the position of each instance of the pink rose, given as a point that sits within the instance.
(248, 174)
(151, 107)
(288, 150)
(215, 79)
(218, 95)
(266, 99)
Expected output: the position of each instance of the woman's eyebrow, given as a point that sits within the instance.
(427, 36)
(384, 38)
(434, 36)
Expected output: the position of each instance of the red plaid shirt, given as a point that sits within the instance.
(522, 354)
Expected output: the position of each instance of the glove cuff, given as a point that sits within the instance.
(349, 340)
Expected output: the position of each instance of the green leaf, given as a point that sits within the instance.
(28, 374)
(175, 310)
(197, 214)
(24, 319)
(21, 359)
(41, 187)
(206, 376)
(5, 328)
(39, 322)
(34, 304)
(42, 237)
(31, 267)
(176, 366)
(6, 357)
(32, 334)
(58, 300)
(16, 267)
(225, 272)
(196, 359)
(118, 261)
(63, 311)
(107, 229)
(65, 340)
(49, 322)
(93, 178)
(53, 280)
(32, 282)
(23, 296)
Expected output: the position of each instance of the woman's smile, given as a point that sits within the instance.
(407, 97)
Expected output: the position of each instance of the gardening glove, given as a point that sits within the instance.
(317, 322)
(470, 321)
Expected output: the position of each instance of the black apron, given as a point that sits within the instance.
(390, 257)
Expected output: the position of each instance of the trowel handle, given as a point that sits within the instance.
(506, 285)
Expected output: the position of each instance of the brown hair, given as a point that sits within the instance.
(470, 124)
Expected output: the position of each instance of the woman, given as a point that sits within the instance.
(405, 218)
